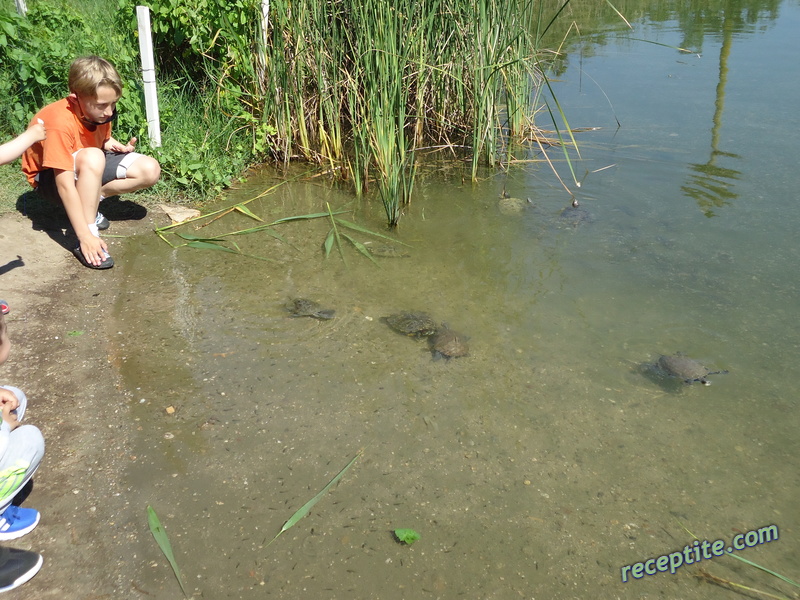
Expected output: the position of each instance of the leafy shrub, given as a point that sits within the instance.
(207, 136)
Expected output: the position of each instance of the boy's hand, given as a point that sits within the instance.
(8, 416)
(92, 248)
(115, 146)
(8, 399)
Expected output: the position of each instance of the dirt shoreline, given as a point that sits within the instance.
(59, 322)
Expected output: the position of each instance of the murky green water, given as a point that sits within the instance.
(548, 458)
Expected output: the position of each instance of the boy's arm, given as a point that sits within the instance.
(14, 149)
(91, 245)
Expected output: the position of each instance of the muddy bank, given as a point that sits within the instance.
(59, 323)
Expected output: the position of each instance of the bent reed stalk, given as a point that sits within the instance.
(362, 85)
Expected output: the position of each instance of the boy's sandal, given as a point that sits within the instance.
(106, 264)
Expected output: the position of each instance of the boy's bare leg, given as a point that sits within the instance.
(143, 173)
(89, 163)
(81, 199)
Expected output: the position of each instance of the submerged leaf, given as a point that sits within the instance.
(328, 244)
(407, 536)
(357, 227)
(210, 246)
(360, 247)
(192, 237)
(304, 510)
(163, 542)
(246, 211)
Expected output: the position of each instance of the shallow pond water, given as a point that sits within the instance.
(549, 457)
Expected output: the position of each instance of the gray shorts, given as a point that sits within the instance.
(117, 164)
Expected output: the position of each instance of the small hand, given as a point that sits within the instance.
(8, 399)
(129, 147)
(38, 131)
(9, 417)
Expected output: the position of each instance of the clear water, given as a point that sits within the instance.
(549, 457)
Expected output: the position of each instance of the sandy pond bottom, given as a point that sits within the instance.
(535, 467)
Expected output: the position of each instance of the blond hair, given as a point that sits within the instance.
(88, 73)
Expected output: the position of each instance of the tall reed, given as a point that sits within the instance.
(361, 85)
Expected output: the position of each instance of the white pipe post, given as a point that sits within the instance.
(149, 76)
(261, 57)
(22, 8)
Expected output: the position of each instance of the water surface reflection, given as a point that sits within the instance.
(546, 459)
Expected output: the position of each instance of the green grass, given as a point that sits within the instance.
(12, 185)
(364, 84)
(361, 88)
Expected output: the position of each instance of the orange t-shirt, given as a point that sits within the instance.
(66, 134)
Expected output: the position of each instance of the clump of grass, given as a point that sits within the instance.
(340, 230)
(360, 87)
(363, 85)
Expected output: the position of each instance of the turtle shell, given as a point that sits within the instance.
(418, 324)
(573, 216)
(512, 206)
(447, 343)
(687, 369)
(387, 251)
(302, 307)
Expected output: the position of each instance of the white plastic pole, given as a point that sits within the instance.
(22, 8)
(261, 57)
(149, 76)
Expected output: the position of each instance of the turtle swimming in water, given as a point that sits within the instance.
(302, 307)
(387, 251)
(416, 324)
(687, 369)
(447, 343)
(574, 215)
(512, 206)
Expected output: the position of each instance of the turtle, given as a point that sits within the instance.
(512, 206)
(687, 369)
(302, 307)
(447, 343)
(387, 251)
(416, 324)
(573, 215)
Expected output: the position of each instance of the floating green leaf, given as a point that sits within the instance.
(356, 227)
(196, 238)
(163, 542)
(75, 333)
(304, 510)
(360, 247)
(407, 536)
(328, 243)
(246, 211)
(211, 246)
